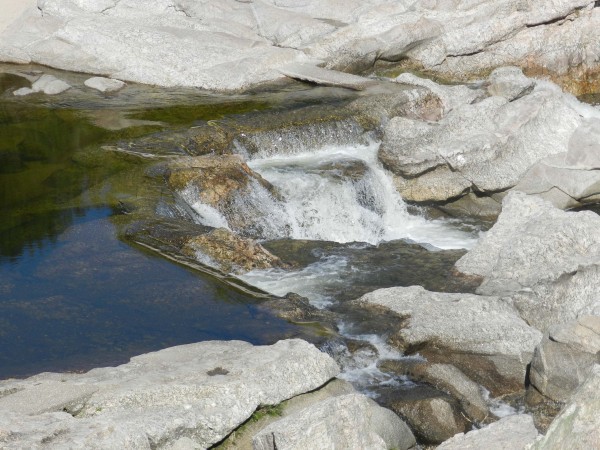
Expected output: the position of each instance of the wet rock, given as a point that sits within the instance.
(447, 378)
(545, 258)
(223, 192)
(159, 398)
(217, 178)
(10, 81)
(347, 421)
(229, 252)
(104, 84)
(512, 432)
(484, 337)
(298, 309)
(565, 357)
(432, 415)
(578, 424)
(484, 147)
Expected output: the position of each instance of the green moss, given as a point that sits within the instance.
(186, 114)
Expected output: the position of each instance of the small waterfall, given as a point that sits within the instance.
(338, 193)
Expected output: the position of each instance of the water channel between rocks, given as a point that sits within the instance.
(74, 294)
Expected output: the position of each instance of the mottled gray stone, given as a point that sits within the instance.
(350, 421)
(577, 426)
(510, 433)
(565, 357)
(48, 397)
(532, 241)
(198, 391)
(238, 44)
(485, 147)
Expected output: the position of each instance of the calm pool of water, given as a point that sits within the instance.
(72, 295)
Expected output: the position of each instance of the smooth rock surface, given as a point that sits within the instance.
(483, 336)
(198, 391)
(510, 433)
(326, 77)
(565, 357)
(577, 426)
(350, 421)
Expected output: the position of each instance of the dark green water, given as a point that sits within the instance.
(72, 294)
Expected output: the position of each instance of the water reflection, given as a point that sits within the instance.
(87, 299)
(72, 296)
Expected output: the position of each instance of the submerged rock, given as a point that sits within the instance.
(482, 336)
(199, 392)
(512, 432)
(565, 357)
(230, 253)
(46, 84)
(104, 84)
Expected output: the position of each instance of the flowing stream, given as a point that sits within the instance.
(337, 194)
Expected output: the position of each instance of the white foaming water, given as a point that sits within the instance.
(205, 214)
(360, 368)
(340, 194)
(312, 282)
(343, 194)
(498, 407)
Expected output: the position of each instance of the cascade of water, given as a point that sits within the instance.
(337, 193)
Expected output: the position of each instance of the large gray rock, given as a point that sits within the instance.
(483, 336)
(510, 433)
(532, 241)
(570, 178)
(544, 258)
(485, 147)
(350, 421)
(233, 44)
(565, 357)
(198, 391)
(577, 426)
